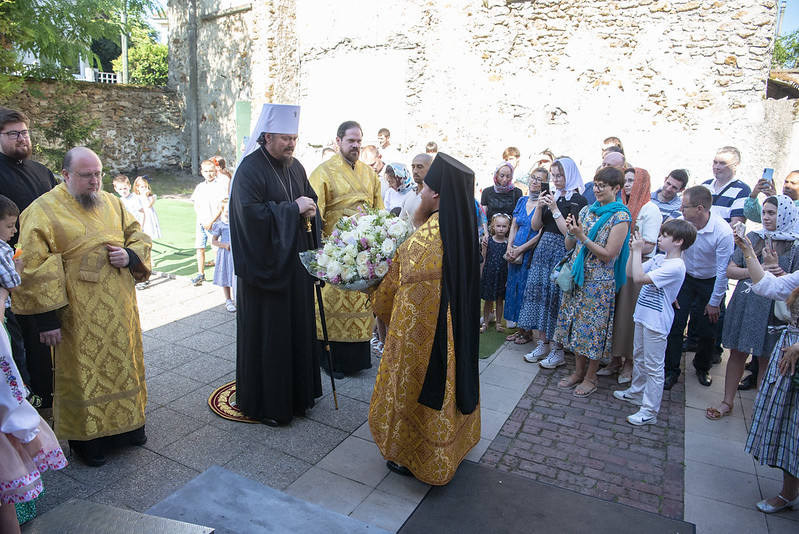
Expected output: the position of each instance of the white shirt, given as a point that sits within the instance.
(777, 288)
(648, 223)
(395, 199)
(710, 255)
(653, 309)
(206, 198)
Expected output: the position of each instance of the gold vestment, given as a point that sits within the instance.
(341, 190)
(99, 363)
(431, 443)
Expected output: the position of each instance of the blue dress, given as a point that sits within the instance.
(223, 271)
(517, 273)
(495, 272)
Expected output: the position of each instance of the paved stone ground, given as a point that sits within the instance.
(586, 444)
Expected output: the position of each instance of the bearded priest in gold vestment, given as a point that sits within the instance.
(342, 185)
(83, 252)
(425, 412)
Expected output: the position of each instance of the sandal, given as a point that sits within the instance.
(566, 383)
(522, 339)
(500, 328)
(714, 414)
(513, 337)
(608, 371)
(582, 392)
(483, 328)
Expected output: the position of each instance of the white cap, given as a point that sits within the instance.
(277, 119)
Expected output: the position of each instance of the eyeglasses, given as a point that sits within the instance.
(88, 175)
(14, 134)
(689, 206)
(600, 186)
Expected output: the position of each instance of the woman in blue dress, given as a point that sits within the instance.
(520, 243)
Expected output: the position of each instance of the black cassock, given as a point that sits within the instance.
(277, 359)
(23, 181)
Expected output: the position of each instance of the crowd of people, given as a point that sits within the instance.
(605, 269)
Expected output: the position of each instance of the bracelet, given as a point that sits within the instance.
(585, 243)
(570, 235)
(747, 258)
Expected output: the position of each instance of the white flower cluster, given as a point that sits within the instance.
(358, 252)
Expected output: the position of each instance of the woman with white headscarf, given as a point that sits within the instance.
(400, 184)
(749, 315)
(541, 302)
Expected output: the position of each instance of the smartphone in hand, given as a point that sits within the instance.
(768, 175)
(574, 210)
(544, 188)
(740, 229)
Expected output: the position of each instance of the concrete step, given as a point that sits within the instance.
(232, 504)
(81, 517)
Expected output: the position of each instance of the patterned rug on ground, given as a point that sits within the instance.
(223, 403)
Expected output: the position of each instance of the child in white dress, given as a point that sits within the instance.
(149, 225)
(223, 272)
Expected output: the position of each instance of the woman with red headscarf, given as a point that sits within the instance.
(646, 219)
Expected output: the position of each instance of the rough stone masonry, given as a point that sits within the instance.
(674, 79)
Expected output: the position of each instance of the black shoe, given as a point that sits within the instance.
(88, 452)
(750, 366)
(399, 469)
(669, 382)
(704, 378)
(338, 375)
(270, 422)
(750, 382)
(716, 359)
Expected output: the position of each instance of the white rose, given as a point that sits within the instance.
(388, 248)
(329, 249)
(322, 259)
(361, 258)
(398, 229)
(351, 250)
(382, 269)
(333, 269)
(349, 238)
(347, 273)
(363, 271)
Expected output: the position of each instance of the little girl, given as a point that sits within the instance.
(27, 445)
(150, 224)
(223, 273)
(495, 270)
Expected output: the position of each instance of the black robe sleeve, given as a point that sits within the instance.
(266, 230)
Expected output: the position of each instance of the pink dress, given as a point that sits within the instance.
(27, 445)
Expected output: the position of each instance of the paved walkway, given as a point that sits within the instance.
(329, 458)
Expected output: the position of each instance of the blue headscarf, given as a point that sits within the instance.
(620, 266)
(404, 177)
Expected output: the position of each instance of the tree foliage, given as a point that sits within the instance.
(147, 64)
(45, 38)
(71, 126)
(786, 51)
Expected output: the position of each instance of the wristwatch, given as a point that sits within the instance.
(556, 214)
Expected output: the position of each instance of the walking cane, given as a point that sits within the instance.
(312, 243)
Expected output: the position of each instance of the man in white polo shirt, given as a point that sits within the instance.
(705, 281)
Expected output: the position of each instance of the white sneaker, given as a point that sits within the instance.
(539, 352)
(230, 306)
(640, 418)
(554, 360)
(623, 394)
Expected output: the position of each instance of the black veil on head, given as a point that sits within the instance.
(460, 284)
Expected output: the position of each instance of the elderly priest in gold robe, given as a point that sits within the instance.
(425, 409)
(343, 184)
(83, 253)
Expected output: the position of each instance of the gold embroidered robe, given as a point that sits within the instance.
(431, 443)
(99, 363)
(341, 190)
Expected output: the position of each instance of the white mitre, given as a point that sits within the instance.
(277, 119)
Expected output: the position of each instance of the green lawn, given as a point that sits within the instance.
(174, 252)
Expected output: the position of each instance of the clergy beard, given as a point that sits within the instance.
(286, 160)
(88, 201)
(421, 215)
(21, 152)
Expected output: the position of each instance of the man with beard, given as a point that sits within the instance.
(425, 413)
(23, 181)
(344, 184)
(419, 166)
(271, 203)
(83, 253)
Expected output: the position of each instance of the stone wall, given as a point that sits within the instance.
(139, 126)
(674, 79)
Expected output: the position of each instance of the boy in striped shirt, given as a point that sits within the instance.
(663, 277)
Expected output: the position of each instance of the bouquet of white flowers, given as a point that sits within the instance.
(358, 252)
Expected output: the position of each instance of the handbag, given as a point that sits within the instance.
(517, 261)
(562, 274)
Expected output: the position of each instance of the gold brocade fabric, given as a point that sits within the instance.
(99, 364)
(431, 443)
(341, 191)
